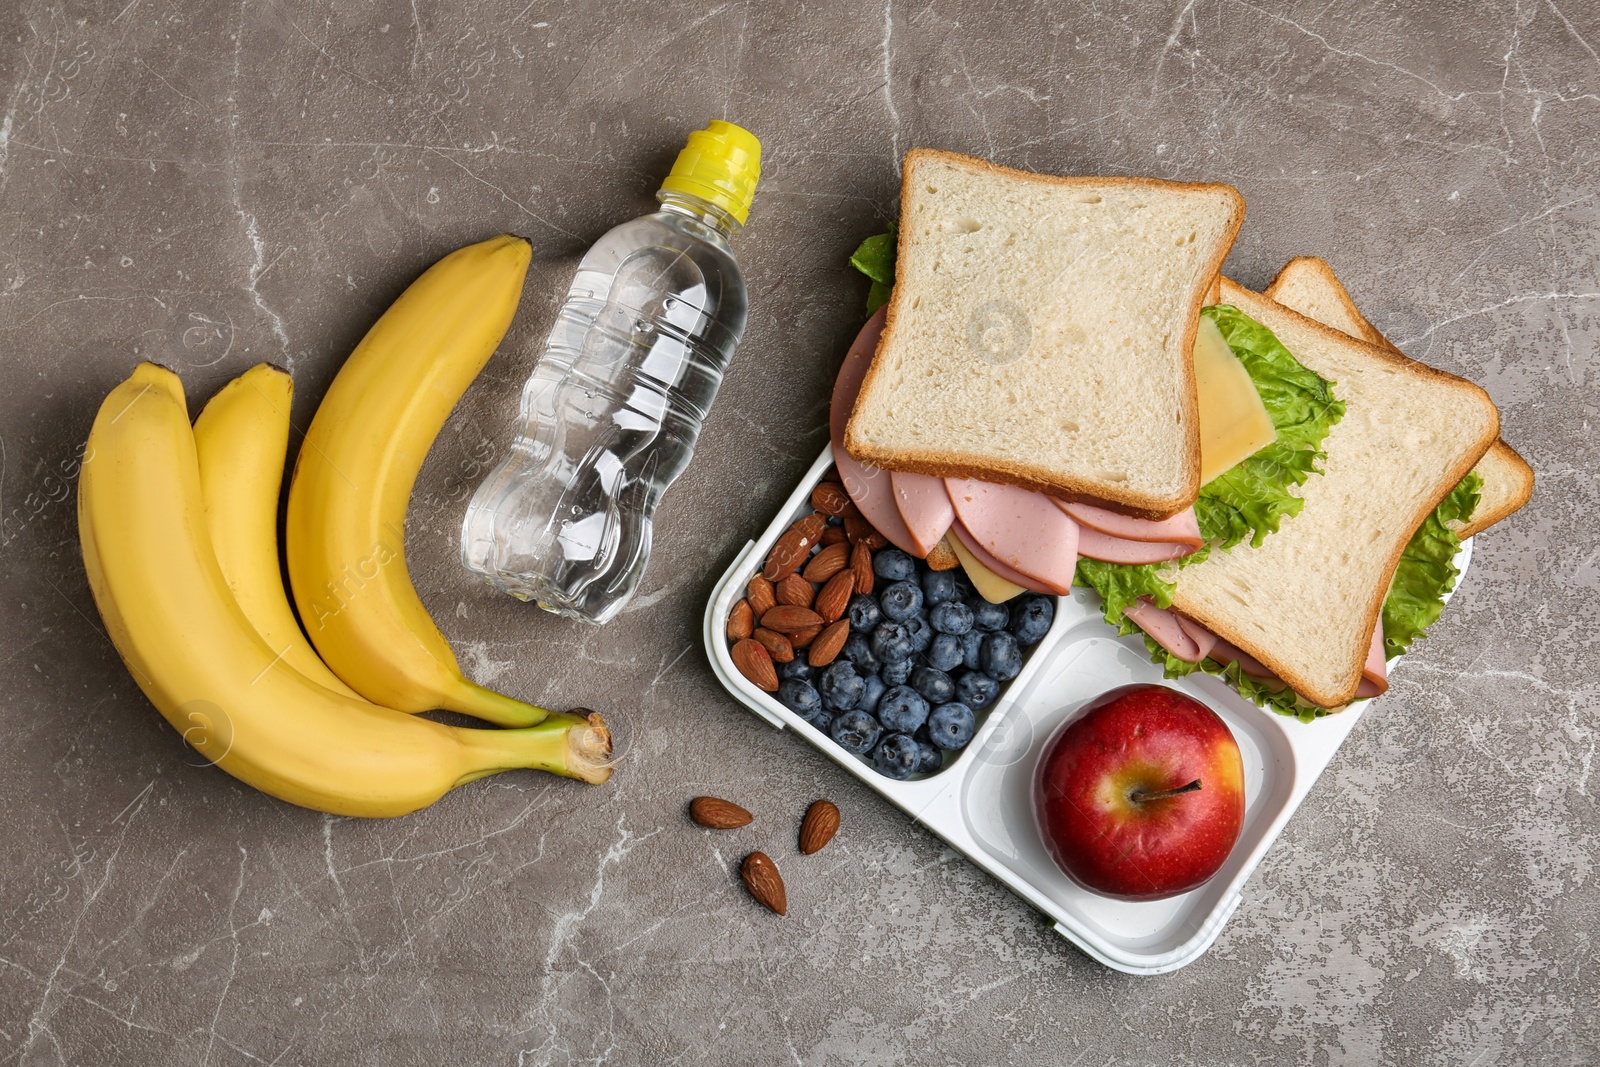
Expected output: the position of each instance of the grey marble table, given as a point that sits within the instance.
(212, 185)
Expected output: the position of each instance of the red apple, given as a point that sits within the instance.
(1141, 795)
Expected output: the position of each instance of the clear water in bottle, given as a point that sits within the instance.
(610, 416)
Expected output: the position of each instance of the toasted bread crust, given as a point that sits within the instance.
(1042, 479)
(1337, 698)
(1500, 454)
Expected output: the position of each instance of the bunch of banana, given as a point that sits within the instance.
(178, 527)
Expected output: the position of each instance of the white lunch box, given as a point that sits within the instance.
(980, 803)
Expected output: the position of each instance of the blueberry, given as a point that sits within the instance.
(872, 688)
(858, 650)
(797, 669)
(902, 708)
(897, 756)
(897, 673)
(840, 686)
(971, 646)
(1031, 618)
(800, 697)
(945, 653)
(976, 690)
(951, 617)
(987, 616)
(863, 613)
(963, 584)
(938, 586)
(855, 731)
(893, 565)
(932, 757)
(1001, 657)
(935, 685)
(891, 643)
(901, 600)
(952, 725)
(919, 632)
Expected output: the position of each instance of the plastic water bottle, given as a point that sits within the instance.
(610, 415)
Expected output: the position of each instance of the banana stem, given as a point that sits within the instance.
(569, 745)
(473, 699)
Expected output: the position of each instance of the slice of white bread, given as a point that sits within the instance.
(1041, 332)
(1306, 601)
(1308, 285)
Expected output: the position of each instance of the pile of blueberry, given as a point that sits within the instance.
(925, 656)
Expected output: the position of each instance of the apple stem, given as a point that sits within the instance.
(1139, 796)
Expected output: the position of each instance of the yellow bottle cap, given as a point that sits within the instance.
(720, 164)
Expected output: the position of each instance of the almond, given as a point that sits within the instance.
(741, 620)
(862, 532)
(829, 498)
(832, 535)
(860, 566)
(803, 638)
(761, 596)
(825, 647)
(761, 877)
(827, 563)
(794, 547)
(790, 619)
(835, 596)
(714, 813)
(818, 827)
(777, 645)
(755, 664)
(795, 590)
(831, 475)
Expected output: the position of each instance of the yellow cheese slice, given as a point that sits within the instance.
(990, 586)
(1234, 424)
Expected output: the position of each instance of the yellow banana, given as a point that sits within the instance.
(155, 578)
(242, 437)
(345, 536)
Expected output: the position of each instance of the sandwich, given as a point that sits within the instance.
(1305, 622)
(1118, 381)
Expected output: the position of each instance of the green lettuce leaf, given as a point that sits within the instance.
(1120, 584)
(874, 257)
(1427, 569)
(1252, 498)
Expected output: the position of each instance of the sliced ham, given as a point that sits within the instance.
(1183, 528)
(968, 542)
(1019, 528)
(924, 507)
(1225, 654)
(1096, 545)
(1374, 672)
(1166, 630)
(870, 488)
(1203, 638)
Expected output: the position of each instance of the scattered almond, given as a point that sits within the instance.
(714, 813)
(794, 547)
(827, 563)
(829, 498)
(761, 596)
(860, 566)
(778, 646)
(741, 620)
(835, 596)
(795, 590)
(818, 827)
(825, 647)
(755, 663)
(761, 877)
(832, 535)
(790, 619)
(803, 638)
